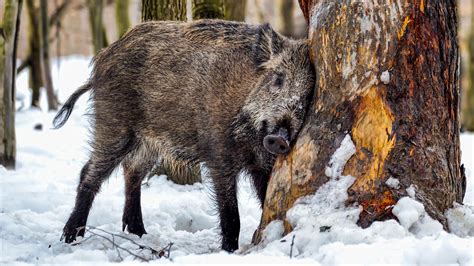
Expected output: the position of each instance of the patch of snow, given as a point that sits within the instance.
(461, 220)
(385, 77)
(411, 191)
(393, 182)
(408, 211)
(340, 157)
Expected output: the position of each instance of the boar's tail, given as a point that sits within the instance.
(63, 114)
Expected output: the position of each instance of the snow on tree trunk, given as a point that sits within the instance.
(387, 75)
(8, 43)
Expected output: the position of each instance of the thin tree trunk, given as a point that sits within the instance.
(235, 10)
(176, 170)
(34, 39)
(213, 9)
(163, 10)
(46, 66)
(8, 47)
(219, 9)
(388, 79)
(121, 16)
(99, 36)
(468, 112)
(285, 23)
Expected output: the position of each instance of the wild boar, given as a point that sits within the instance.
(230, 95)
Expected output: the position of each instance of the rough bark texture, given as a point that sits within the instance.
(163, 10)
(34, 39)
(468, 111)
(406, 127)
(46, 66)
(8, 43)
(121, 16)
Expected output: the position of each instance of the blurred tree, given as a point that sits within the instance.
(163, 10)
(468, 112)
(8, 47)
(99, 36)
(219, 9)
(397, 101)
(121, 16)
(235, 9)
(46, 66)
(208, 9)
(34, 40)
(284, 16)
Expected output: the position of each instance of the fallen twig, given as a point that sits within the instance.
(292, 244)
(164, 252)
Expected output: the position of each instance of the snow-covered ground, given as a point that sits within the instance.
(37, 198)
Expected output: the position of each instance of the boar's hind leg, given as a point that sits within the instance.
(134, 173)
(105, 157)
(225, 189)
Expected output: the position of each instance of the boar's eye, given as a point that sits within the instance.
(279, 79)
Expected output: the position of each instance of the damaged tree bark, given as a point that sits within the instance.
(387, 76)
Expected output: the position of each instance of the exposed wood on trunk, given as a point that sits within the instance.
(46, 66)
(8, 47)
(34, 40)
(387, 76)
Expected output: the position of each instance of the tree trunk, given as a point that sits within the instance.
(121, 16)
(176, 170)
(468, 112)
(34, 39)
(8, 47)
(387, 76)
(99, 36)
(163, 10)
(46, 66)
(285, 17)
(235, 10)
(213, 9)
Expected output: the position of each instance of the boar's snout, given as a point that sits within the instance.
(277, 143)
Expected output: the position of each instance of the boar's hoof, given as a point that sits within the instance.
(71, 232)
(134, 225)
(230, 247)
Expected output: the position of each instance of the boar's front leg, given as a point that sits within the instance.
(225, 189)
(260, 183)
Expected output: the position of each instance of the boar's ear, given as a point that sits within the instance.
(268, 44)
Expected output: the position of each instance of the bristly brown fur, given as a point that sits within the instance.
(202, 92)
